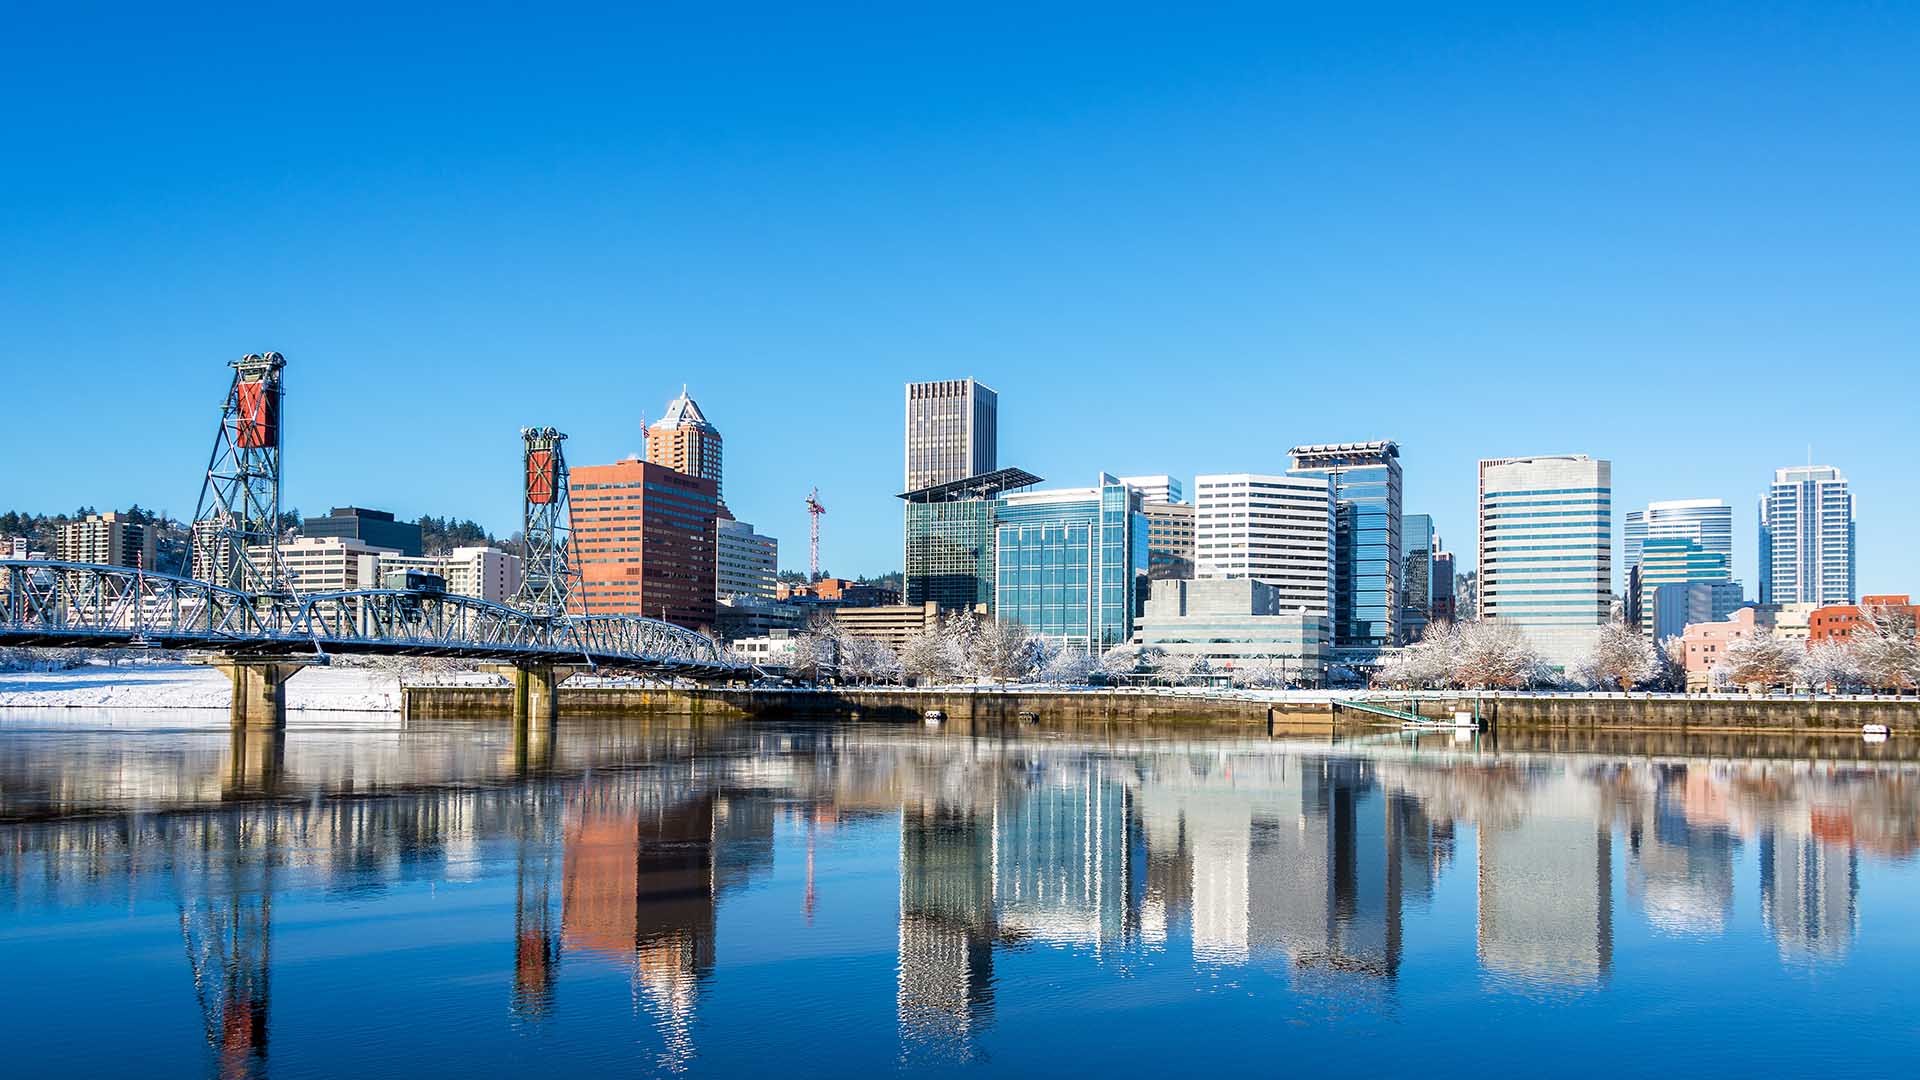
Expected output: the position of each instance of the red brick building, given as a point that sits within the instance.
(643, 539)
(1835, 622)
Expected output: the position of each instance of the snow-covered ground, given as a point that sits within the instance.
(183, 686)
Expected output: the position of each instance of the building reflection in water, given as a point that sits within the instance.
(1307, 860)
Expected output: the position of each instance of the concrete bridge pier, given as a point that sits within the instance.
(260, 687)
(536, 690)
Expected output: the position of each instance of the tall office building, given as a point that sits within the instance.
(1365, 478)
(1807, 537)
(1416, 577)
(1546, 550)
(1169, 540)
(746, 564)
(1276, 529)
(643, 541)
(684, 440)
(1071, 563)
(1446, 602)
(1155, 489)
(109, 539)
(949, 559)
(952, 432)
(1679, 581)
(1707, 522)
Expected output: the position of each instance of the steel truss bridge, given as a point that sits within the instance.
(81, 605)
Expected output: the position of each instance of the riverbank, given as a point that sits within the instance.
(174, 685)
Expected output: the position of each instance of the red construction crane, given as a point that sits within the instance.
(814, 510)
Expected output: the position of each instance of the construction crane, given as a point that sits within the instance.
(814, 510)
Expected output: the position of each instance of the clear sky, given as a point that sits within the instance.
(1683, 237)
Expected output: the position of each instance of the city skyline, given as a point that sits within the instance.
(1201, 233)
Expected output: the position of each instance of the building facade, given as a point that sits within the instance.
(1416, 576)
(1156, 489)
(1365, 479)
(950, 537)
(1836, 622)
(1663, 597)
(324, 564)
(1546, 550)
(1236, 623)
(485, 573)
(746, 564)
(110, 539)
(1169, 540)
(1707, 522)
(1070, 563)
(1446, 602)
(1275, 529)
(643, 542)
(1705, 644)
(1807, 537)
(375, 528)
(952, 432)
(684, 440)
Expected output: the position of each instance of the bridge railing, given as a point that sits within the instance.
(52, 602)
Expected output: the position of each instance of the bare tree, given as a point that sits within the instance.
(1884, 648)
(1494, 655)
(1261, 672)
(1426, 663)
(932, 657)
(867, 660)
(1175, 668)
(1621, 658)
(1070, 667)
(1763, 661)
(1830, 666)
(1000, 651)
(1119, 662)
(1669, 665)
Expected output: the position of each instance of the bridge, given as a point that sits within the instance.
(242, 612)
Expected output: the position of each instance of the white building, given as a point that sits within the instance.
(324, 564)
(485, 573)
(1546, 550)
(745, 562)
(1235, 625)
(1276, 529)
(1806, 537)
(108, 539)
(777, 649)
(1155, 489)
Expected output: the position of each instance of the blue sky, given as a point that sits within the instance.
(1682, 237)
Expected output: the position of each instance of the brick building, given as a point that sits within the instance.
(1835, 622)
(643, 539)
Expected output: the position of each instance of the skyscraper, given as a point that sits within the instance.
(1156, 489)
(952, 431)
(1416, 577)
(1070, 562)
(1365, 478)
(1807, 537)
(949, 559)
(1276, 529)
(1546, 550)
(643, 538)
(1678, 582)
(1708, 522)
(686, 441)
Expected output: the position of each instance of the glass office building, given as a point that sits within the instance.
(950, 539)
(1365, 478)
(1070, 563)
(1416, 577)
(1668, 564)
(1546, 551)
(1807, 537)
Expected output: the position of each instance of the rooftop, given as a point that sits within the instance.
(978, 486)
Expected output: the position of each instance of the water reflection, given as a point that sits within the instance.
(624, 843)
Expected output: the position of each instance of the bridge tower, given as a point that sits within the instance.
(235, 540)
(546, 584)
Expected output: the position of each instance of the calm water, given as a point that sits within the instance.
(647, 898)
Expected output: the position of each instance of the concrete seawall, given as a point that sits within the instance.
(1698, 715)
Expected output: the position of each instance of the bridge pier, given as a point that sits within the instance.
(260, 687)
(536, 690)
